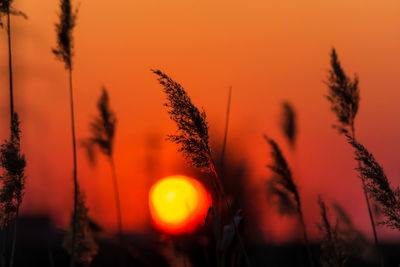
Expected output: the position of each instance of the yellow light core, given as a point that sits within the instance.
(178, 203)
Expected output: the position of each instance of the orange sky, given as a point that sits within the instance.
(268, 51)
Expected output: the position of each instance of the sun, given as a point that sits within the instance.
(178, 204)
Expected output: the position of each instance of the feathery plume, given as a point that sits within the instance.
(192, 135)
(85, 247)
(103, 126)
(65, 45)
(343, 94)
(332, 246)
(288, 123)
(13, 179)
(377, 185)
(7, 8)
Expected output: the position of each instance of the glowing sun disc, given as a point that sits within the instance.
(178, 204)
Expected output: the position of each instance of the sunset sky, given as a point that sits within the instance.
(267, 50)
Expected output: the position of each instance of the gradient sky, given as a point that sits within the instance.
(269, 51)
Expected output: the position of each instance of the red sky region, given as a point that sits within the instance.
(268, 51)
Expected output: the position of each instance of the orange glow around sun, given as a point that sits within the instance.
(178, 204)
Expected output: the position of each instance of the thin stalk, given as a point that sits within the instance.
(74, 222)
(309, 254)
(221, 190)
(117, 198)
(14, 242)
(228, 109)
(371, 217)
(10, 65)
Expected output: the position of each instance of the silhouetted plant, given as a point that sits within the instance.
(84, 245)
(332, 246)
(377, 185)
(344, 96)
(102, 129)
(64, 52)
(64, 29)
(288, 123)
(192, 137)
(7, 9)
(13, 180)
(286, 190)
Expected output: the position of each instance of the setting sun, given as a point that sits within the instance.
(178, 204)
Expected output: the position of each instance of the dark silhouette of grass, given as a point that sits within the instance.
(377, 185)
(13, 180)
(288, 123)
(332, 246)
(193, 139)
(64, 52)
(344, 96)
(285, 188)
(102, 129)
(6, 9)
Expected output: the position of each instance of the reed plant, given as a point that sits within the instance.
(344, 96)
(13, 161)
(193, 138)
(102, 130)
(64, 52)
